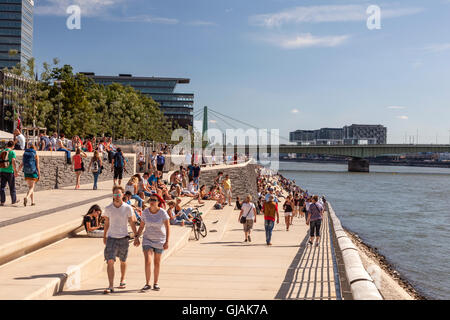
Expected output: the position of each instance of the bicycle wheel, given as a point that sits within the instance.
(196, 231)
(203, 230)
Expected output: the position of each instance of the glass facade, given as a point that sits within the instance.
(178, 107)
(16, 31)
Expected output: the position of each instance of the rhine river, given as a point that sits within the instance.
(404, 212)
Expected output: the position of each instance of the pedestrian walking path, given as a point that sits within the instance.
(222, 266)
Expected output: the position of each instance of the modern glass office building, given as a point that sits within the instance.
(16, 31)
(176, 106)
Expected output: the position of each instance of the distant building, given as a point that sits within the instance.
(178, 107)
(365, 134)
(354, 134)
(16, 31)
(11, 87)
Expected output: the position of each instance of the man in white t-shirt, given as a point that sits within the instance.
(117, 217)
(19, 139)
(248, 210)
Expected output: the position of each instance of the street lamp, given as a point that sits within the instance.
(59, 83)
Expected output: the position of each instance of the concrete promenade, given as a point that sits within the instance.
(44, 254)
(222, 266)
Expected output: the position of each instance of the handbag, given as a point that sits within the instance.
(244, 219)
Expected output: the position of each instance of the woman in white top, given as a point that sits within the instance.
(248, 210)
(155, 239)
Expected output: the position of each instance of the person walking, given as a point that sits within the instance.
(227, 189)
(8, 173)
(196, 174)
(270, 212)
(31, 170)
(315, 215)
(95, 166)
(78, 165)
(250, 215)
(117, 217)
(160, 161)
(118, 164)
(288, 209)
(155, 240)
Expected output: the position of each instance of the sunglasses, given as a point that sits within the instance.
(153, 200)
(117, 195)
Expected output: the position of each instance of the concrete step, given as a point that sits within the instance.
(64, 265)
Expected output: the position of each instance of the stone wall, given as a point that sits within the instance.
(54, 169)
(243, 179)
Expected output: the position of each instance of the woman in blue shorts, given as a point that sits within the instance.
(155, 239)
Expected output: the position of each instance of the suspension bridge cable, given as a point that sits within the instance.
(247, 124)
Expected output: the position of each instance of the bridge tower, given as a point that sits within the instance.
(205, 123)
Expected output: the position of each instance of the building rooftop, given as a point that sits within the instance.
(121, 76)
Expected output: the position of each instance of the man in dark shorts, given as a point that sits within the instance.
(116, 239)
(118, 163)
(160, 161)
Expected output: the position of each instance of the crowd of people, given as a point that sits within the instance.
(297, 203)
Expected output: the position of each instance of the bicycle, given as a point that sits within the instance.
(198, 224)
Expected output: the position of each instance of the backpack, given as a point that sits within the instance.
(4, 159)
(95, 166)
(118, 160)
(29, 162)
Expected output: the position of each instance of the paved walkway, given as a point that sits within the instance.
(222, 266)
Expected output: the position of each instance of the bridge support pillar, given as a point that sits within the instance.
(358, 165)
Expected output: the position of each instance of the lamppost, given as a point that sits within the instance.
(59, 83)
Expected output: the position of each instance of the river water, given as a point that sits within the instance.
(404, 212)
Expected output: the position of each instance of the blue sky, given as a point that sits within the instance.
(282, 64)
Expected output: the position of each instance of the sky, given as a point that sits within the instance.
(276, 64)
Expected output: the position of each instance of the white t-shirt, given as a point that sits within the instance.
(118, 220)
(155, 232)
(21, 140)
(248, 210)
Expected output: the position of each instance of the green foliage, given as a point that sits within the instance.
(87, 108)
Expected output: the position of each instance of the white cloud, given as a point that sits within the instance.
(147, 19)
(295, 111)
(89, 8)
(325, 13)
(402, 117)
(200, 23)
(305, 40)
(437, 47)
(96, 8)
(396, 107)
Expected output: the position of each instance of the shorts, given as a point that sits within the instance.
(227, 193)
(160, 167)
(118, 173)
(248, 225)
(32, 176)
(314, 227)
(288, 213)
(116, 248)
(155, 250)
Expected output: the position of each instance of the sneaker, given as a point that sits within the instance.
(310, 242)
(245, 240)
(156, 287)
